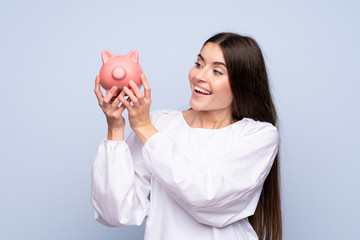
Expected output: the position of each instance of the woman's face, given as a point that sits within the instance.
(209, 81)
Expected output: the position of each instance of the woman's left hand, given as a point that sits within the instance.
(139, 110)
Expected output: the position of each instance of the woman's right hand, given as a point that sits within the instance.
(113, 112)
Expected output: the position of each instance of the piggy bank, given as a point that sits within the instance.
(119, 70)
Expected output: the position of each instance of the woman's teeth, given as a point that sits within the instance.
(202, 90)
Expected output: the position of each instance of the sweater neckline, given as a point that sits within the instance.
(206, 129)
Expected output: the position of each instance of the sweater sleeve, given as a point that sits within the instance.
(226, 190)
(120, 183)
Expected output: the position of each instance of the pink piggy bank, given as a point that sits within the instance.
(119, 70)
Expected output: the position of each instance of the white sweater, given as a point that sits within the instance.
(191, 183)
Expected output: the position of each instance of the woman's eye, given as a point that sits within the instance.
(216, 72)
(198, 65)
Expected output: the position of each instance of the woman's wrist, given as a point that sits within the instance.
(145, 131)
(115, 134)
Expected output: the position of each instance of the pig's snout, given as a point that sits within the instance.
(118, 73)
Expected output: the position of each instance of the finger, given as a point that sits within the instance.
(116, 102)
(147, 89)
(132, 97)
(110, 94)
(120, 110)
(97, 90)
(125, 102)
(136, 89)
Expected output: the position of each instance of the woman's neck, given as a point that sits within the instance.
(207, 119)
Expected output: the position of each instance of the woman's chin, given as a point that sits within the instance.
(195, 106)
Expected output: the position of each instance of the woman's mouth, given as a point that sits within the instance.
(201, 90)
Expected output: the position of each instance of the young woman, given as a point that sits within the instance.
(210, 172)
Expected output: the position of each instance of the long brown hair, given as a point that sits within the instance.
(252, 99)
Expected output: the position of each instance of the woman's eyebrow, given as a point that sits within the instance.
(219, 63)
(214, 63)
(201, 57)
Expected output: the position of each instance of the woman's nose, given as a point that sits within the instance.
(201, 75)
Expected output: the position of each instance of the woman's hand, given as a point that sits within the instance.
(139, 110)
(113, 112)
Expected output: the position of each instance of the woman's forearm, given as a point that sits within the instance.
(145, 132)
(115, 134)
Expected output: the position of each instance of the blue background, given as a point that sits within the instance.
(51, 125)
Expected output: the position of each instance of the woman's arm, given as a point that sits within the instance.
(120, 179)
(120, 183)
(226, 190)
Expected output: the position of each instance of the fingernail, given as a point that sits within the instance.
(113, 89)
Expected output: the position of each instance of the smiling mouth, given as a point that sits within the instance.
(202, 91)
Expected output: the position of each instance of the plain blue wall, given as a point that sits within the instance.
(51, 125)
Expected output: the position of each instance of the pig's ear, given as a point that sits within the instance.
(106, 55)
(133, 55)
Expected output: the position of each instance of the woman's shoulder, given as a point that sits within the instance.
(252, 128)
(164, 113)
(254, 124)
(163, 117)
